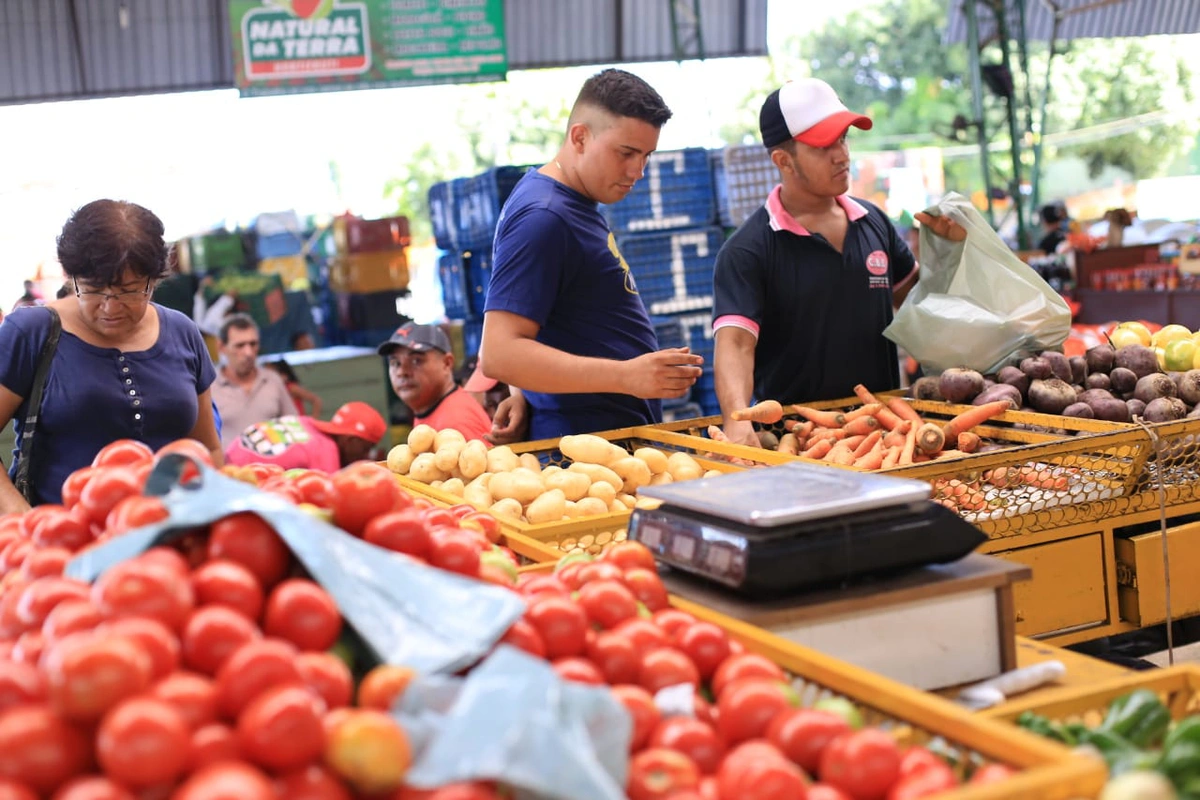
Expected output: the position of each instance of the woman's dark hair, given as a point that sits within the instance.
(106, 237)
(625, 95)
(283, 368)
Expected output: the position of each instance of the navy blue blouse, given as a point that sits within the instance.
(96, 395)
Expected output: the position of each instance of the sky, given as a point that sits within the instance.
(200, 159)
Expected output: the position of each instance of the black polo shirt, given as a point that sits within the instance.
(818, 314)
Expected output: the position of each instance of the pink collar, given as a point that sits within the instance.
(781, 220)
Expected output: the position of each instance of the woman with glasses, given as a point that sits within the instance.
(124, 367)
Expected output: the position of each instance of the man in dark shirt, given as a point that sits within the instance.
(805, 287)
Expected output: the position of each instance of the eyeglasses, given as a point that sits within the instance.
(124, 298)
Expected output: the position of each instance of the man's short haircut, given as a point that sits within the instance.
(623, 94)
(241, 322)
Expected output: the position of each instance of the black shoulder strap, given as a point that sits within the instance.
(22, 481)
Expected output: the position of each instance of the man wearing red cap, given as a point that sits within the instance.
(804, 288)
(306, 443)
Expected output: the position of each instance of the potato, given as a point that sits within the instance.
(683, 467)
(447, 436)
(573, 485)
(446, 456)
(527, 485)
(477, 495)
(502, 459)
(602, 490)
(627, 500)
(473, 461)
(591, 507)
(598, 473)
(503, 486)
(507, 508)
(530, 462)
(454, 486)
(587, 449)
(713, 473)
(481, 480)
(436, 485)
(655, 459)
(571, 511)
(617, 507)
(633, 472)
(424, 469)
(421, 439)
(400, 458)
(661, 479)
(549, 507)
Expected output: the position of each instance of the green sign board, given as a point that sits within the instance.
(292, 46)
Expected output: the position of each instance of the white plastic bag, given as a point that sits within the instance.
(976, 304)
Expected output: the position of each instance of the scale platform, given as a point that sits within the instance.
(775, 531)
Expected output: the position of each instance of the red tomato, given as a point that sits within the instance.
(486, 523)
(155, 639)
(91, 787)
(864, 764)
(656, 773)
(328, 676)
(304, 614)
(672, 621)
(992, 773)
(646, 716)
(561, 623)
(369, 750)
(87, 675)
(541, 584)
(140, 588)
(666, 666)
(757, 771)
(362, 491)
(169, 558)
(401, 531)
(10, 626)
(568, 573)
(924, 781)
(61, 528)
(193, 696)
(11, 790)
(439, 518)
(281, 728)
(526, 637)
(383, 685)
(648, 588)
(644, 634)
(39, 598)
(251, 670)
(453, 791)
(313, 782)
(746, 665)
(746, 708)
(706, 644)
(226, 781)
(580, 670)
(213, 743)
(143, 742)
(40, 749)
(188, 447)
(134, 511)
(20, 684)
(629, 554)
(455, 550)
(802, 734)
(615, 656)
(28, 647)
(73, 486)
(251, 542)
(607, 603)
(212, 634)
(823, 791)
(597, 571)
(915, 759)
(107, 487)
(315, 488)
(49, 561)
(14, 555)
(123, 453)
(227, 583)
(695, 739)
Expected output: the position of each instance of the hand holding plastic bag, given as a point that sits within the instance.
(513, 719)
(976, 304)
(408, 613)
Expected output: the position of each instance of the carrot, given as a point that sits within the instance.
(949, 454)
(900, 407)
(890, 458)
(868, 443)
(836, 434)
(868, 410)
(767, 411)
(930, 438)
(968, 442)
(789, 444)
(872, 459)
(825, 419)
(977, 415)
(887, 418)
(819, 449)
(862, 425)
(910, 446)
(801, 429)
(896, 437)
(854, 441)
(840, 454)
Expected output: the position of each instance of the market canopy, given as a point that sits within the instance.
(1080, 19)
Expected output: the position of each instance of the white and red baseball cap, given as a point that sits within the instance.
(809, 111)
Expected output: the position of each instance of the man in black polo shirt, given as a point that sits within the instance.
(805, 287)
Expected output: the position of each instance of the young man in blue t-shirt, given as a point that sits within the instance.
(563, 319)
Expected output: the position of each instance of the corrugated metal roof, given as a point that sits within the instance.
(73, 49)
(1081, 19)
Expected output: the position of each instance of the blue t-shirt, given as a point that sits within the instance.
(96, 395)
(556, 262)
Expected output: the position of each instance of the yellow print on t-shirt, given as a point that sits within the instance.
(630, 284)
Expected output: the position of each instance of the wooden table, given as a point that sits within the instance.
(934, 627)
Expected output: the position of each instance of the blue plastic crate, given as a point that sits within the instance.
(670, 332)
(675, 192)
(716, 160)
(478, 201)
(748, 175)
(279, 244)
(452, 274)
(472, 336)
(442, 214)
(479, 277)
(687, 409)
(674, 270)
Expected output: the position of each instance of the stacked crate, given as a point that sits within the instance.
(464, 213)
(279, 245)
(665, 231)
(368, 277)
(743, 176)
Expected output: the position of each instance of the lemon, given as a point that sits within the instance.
(1170, 333)
(1180, 355)
(1141, 330)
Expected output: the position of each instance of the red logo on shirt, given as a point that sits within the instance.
(877, 263)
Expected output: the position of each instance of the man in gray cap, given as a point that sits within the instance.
(421, 369)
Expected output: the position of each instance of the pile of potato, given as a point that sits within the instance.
(602, 478)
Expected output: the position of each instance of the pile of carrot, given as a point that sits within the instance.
(876, 435)
(976, 495)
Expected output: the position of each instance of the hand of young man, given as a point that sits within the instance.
(511, 423)
(662, 374)
(943, 226)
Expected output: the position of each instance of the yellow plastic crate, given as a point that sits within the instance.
(364, 273)
(292, 270)
(1173, 451)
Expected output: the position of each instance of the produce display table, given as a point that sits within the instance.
(929, 628)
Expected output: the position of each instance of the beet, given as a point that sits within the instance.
(1060, 365)
(1141, 360)
(1154, 386)
(1038, 369)
(1079, 369)
(1165, 409)
(1136, 407)
(1123, 380)
(1189, 387)
(1001, 391)
(1014, 377)
(925, 389)
(1098, 380)
(960, 385)
(1079, 410)
(1095, 394)
(1110, 410)
(1051, 396)
(1100, 358)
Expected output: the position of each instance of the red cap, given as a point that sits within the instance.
(355, 419)
(478, 382)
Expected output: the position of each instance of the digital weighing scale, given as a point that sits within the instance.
(798, 526)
